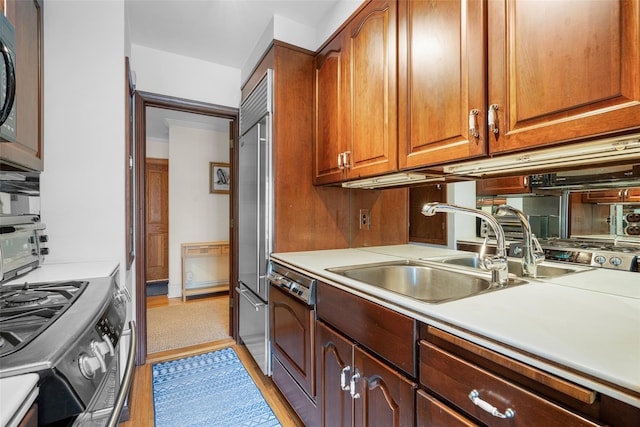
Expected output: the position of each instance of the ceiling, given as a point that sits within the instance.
(220, 31)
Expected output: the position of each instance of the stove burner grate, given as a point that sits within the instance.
(26, 310)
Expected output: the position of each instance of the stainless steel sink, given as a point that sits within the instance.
(514, 265)
(422, 281)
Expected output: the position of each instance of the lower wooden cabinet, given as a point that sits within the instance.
(433, 413)
(356, 389)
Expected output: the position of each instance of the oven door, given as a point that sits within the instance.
(106, 407)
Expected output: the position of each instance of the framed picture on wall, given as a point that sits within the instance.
(219, 178)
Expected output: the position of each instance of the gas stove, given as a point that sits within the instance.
(595, 253)
(26, 310)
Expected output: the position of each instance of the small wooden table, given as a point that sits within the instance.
(205, 268)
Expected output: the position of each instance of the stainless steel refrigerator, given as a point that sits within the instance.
(255, 220)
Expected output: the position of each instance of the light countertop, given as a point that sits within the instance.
(17, 394)
(581, 323)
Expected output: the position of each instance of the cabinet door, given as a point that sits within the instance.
(632, 195)
(291, 337)
(372, 62)
(386, 397)
(562, 70)
(334, 362)
(433, 413)
(26, 17)
(331, 121)
(442, 76)
(508, 185)
(602, 196)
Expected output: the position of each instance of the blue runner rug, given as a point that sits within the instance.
(212, 390)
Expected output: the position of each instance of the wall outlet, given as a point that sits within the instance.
(364, 219)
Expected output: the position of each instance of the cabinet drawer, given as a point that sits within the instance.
(204, 251)
(389, 334)
(454, 379)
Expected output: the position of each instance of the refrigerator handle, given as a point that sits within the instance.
(244, 293)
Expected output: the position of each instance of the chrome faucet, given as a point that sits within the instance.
(532, 253)
(496, 264)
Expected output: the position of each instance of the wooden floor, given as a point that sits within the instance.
(141, 394)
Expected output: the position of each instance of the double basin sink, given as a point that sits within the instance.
(441, 280)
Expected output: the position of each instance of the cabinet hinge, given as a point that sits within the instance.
(231, 223)
(230, 302)
(231, 144)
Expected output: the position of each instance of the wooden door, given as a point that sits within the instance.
(372, 141)
(386, 397)
(334, 362)
(441, 63)
(27, 18)
(157, 219)
(562, 70)
(331, 121)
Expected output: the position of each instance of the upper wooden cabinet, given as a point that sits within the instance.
(562, 70)
(442, 80)
(26, 151)
(355, 122)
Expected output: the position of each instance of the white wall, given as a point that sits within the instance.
(183, 77)
(461, 227)
(83, 181)
(195, 215)
(157, 148)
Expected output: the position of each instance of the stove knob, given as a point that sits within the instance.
(599, 259)
(89, 365)
(44, 238)
(615, 261)
(44, 251)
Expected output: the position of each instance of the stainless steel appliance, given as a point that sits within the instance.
(293, 315)
(255, 221)
(7, 80)
(603, 177)
(603, 253)
(65, 323)
(22, 245)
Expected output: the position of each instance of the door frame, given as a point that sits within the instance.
(142, 101)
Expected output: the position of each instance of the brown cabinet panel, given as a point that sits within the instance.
(425, 229)
(454, 379)
(292, 335)
(331, 113)
(386, 397)
(560, 71)
(372, 67)
(27, 18)
(508, 185)
(442, 76)
(334, 361)
(612, 196)
(385, 332)
(355, 124)
(433, 413)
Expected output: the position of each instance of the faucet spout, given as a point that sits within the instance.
(532, 254)
(498, 263)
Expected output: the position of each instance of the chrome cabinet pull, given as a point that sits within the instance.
(343, 377)
(474, 396)
(352, 387)
(473, 122)
(347, 160)
(340, 165)
(492, 118)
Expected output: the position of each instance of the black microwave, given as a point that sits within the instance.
(7, 81)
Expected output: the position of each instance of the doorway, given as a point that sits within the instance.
(144, 100)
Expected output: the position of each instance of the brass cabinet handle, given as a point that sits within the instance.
(492, 118)
(473, 122)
